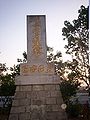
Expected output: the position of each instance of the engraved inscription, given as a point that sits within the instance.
(41, 68)
(27, 69)
(36, 46)
(33, 68)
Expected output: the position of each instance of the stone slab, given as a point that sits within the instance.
(37, 79)
(36, 69)
(37, 105)
(36, 39)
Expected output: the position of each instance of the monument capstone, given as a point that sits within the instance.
(37, 95)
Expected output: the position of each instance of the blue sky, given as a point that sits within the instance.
(13, 36)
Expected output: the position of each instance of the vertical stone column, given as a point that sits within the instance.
(36, 39)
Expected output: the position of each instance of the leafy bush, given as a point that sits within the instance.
(74, 110)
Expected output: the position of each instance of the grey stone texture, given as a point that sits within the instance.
(36, 31)
(37, 95)
(37, 102)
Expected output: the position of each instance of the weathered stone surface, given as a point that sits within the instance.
(20, 95)
(51, 101)
(58, 87)
(40, 101)
(38, 95)
(15, 103)
(19, 109)
(24, 102)
(56, 107)
(13, 117)
(55, 94)
(50, 87)
(38, 87)
(36, 39)
(47, 94)
(59, 101)
(36, 69)
(37, 79)
(55, 115)
(24, 116)
(37, 112)
(25, 88)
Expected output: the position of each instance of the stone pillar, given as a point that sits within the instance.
(36, 39)
(37, 95)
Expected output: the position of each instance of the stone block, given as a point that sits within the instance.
(51, 101)
(28, 94)
(20, 95)
(57, 87)
(24, 116)
(37, 112)
(55, 115)
(17, 88)
(14, 110)
(56, 107)
(28, 108)
(48, 108)
(41, 94)
(50, 116)
(61, 115)
(15, 103)
(34, 95)
(38, 87)
(24, 102)
(47, 94)
(37, 80)
(13, 117)
(50, 87)
(25, 88)
(52, 108)
(55, 93)
(19, 109)
(59, 101)
(38, 102)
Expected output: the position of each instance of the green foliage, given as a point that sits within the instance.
(3, 67)
(77, 36)
(7, 81)
(7, 87)
(74, 110)
(68, 89)
(24, 60)
(15, 70)
(77, 70)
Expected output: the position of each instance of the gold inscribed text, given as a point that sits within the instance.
(41, 68)
(33, 68)
(36, 45)
(25, 69)
(28, 69)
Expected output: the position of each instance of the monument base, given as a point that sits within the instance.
(37, 102)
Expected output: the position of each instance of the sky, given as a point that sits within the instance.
(13, 34)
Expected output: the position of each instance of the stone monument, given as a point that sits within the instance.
(37, 95)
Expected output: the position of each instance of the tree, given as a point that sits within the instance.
(7, 87)
(2, 68)
(24, 60)
(16, 68)
(77, 36)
